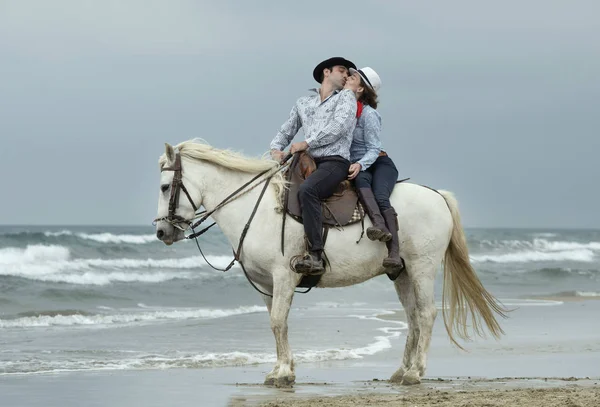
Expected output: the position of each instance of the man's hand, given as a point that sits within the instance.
(297, 147)
(277, 155)
(354, 170)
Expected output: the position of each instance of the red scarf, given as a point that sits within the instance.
(359, 109)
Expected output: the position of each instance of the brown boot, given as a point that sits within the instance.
(378, 231)
(393, 262)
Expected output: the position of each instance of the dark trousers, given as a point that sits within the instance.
(381, 177)
(321, 184)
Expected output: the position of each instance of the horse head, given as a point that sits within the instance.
(175, 212)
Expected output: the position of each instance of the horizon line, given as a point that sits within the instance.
(147, 225)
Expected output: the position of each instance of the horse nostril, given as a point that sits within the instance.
(160, 233)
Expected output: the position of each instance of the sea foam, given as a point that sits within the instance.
(126, 318)
(107, 237)
(54, 264)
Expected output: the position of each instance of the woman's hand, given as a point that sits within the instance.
(354, 170)
(353, 83)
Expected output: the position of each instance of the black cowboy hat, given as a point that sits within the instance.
(328, 63)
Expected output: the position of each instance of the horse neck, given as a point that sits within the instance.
(218, 184)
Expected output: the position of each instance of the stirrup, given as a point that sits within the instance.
(312, 269)
(394, 272)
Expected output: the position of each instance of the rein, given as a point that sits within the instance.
(174, 220)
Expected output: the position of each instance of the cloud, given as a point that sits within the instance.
(61, 27)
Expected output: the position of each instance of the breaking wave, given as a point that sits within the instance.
(73, 318)
(54, 264)
(523, 251)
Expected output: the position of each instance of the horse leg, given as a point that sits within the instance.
(268, 301)
(270, 379)
(425, 313)
(282, 374)
(405, 293)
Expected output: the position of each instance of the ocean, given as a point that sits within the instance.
(97, 298)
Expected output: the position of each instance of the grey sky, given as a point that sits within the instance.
(497, 102)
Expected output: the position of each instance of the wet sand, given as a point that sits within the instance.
(507, 392)
(542, 344)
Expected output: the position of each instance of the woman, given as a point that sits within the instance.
(374, 172)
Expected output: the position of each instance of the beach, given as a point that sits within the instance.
(495, 393)
(97, 316)
(185, 388)
(545, 359)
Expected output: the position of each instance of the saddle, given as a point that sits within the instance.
(340, 209)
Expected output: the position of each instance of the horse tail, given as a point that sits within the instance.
(463, 292)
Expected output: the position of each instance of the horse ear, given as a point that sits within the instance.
(170, 154)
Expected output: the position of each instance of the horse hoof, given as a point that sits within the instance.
(269, 381)
(410, 379)
(286, 381)
(397, 376)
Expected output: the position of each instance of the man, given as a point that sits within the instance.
(328, 119)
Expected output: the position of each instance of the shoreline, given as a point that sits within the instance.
(242, 386)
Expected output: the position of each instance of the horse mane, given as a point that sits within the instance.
(198, 149)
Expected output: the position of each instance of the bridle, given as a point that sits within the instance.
(176, 186)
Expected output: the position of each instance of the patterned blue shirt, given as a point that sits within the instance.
(328, 125)
(366, 144)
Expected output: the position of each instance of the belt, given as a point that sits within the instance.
(382, 154)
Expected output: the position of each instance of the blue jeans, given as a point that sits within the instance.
(381, 177)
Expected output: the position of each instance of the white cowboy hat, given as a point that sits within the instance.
(369, 76)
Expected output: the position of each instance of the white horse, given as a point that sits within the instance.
(430, 233)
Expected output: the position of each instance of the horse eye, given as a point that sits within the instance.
(164, 188)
